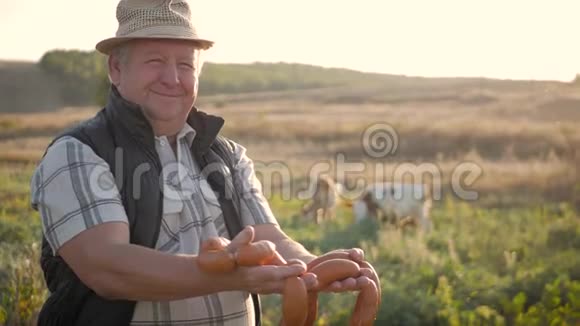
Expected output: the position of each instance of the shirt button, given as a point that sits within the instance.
(162, 143)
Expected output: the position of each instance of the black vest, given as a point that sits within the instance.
(122, 136)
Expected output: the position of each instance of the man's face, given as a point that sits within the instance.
(159, 75)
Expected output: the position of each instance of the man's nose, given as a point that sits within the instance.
(170, 75)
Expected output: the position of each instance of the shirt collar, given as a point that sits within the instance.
(186, 132)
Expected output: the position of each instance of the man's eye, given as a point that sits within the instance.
(186, 65)
(154, 61)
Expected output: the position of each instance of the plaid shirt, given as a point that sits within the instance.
(74, 190)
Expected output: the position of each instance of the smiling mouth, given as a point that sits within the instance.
(166, 95)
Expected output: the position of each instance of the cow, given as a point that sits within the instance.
(400, 204)
(323, 202)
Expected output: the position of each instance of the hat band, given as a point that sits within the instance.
(162, 31)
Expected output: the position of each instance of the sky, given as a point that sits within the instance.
(508, 39)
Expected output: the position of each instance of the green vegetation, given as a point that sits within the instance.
(263, 77)
(84, 76)
(79, 72)
(22, 288)
(480, 267)
(513, 266)
(73, 78)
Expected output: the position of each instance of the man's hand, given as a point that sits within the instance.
(270, 278)
(262, 279)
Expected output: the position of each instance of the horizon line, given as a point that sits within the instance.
(483, 77)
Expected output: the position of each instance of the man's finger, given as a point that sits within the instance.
(349, 284)
(335, 286)
(364, 271)
(278, 260)
(296, 262)
(310, 280)
(282, 272)
(357, 254)
(243, 238)
(362, 281)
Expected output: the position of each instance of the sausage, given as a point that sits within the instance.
(366, 307)
(216, 261)
(335, 270)
(214, 257)
(328, 271)
(345, 255)
(294, 304)
(312, 308)
(299, 306)
(373, 276)
(323, 258)
(214, 243)
(256, 253)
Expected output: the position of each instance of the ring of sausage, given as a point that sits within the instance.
(299, 307)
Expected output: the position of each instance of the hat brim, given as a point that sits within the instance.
(106, 46)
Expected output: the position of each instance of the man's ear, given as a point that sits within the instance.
(114, 65)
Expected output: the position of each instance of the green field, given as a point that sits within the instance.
(512, 266)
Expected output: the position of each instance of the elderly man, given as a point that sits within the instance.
(127, 197)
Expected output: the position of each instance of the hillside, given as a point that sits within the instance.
(47, 86)
(24, 87)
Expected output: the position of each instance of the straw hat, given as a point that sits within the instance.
(164, 19)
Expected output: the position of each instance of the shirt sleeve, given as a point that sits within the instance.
(255, 208)
(73, 189)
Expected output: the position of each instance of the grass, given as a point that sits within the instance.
(469, 271)
(21, 283)
(14, 125)
(515, 145)
(503, 266)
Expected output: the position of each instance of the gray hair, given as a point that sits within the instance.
(121, 52)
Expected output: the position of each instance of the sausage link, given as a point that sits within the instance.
(374, 277)
(335, 270)
(294, 304)
(216, 261)
(255, 254)
(299, 306)
(334, 255)
(366, 307)
(214, 243)
(312, 308)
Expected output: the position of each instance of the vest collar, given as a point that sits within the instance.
(130, 116)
